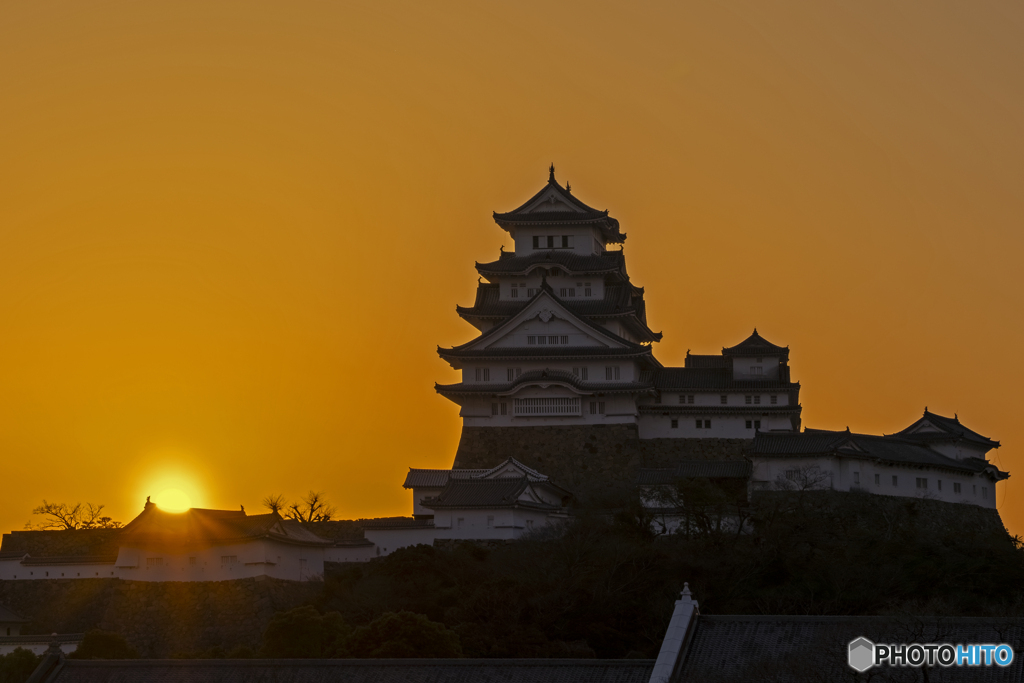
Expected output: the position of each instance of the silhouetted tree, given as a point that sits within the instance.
(303, 633)
(312, 508)
(404, 634)
(17, 666)
(275, 503)
(77, 516)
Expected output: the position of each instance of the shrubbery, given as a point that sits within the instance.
(17, 666)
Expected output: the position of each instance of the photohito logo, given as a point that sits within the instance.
(862, 654)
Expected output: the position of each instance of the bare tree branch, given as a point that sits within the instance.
(67, 516)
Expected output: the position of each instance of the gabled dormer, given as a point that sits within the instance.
(947, 436)
(555, 220)
(756, 358)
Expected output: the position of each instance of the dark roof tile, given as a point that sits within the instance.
(756, 345)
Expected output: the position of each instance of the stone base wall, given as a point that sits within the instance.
(588, 460)
(158, 619)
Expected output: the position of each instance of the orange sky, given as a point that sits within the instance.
(232, 233)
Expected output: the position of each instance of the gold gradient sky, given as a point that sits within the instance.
(232, 233)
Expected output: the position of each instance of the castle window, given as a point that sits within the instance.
(674, 424)
(541, 339)
(531, 339)
(580, 372)
(567, 292)
(724, 400)
(922, 483)
(984, 492)
(228, 560)
(154, 561)
(750, 424)
(856, 478)
(490, 521)
(757, 400)
(689, 399)
(760, 360)
(531, 291)
(895, 480)
(707, 424)
(878, 480)
(554, 340)
(775, 400)
(756, 370)
(515, 292)
(938, 484)
(566, 241)
(482, 374)
(494, 409)
(529, 524)
(510, 374)
(757, 424)
(504, 408)
(700, 424)
(459, 521)
(564, 339)
(191, 561)
(597, 407)
(956, 488)
(546, 406)
(748, 399)
(611, 373)
(551, 241)
(536, 242)
(587, 291)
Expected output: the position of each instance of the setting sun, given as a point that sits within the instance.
(173, 500)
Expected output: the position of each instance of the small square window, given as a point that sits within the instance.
(675, 424)
(774, 400)
(757, 424)
(700, 424)
(750, 425)
(748, 399)
(757, 400)
(689, 399)
(707, 424)
(724, 400)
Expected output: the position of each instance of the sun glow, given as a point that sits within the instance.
(173, 500)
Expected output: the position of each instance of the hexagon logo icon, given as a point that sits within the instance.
(861, 654)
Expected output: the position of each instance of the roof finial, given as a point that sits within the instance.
(568, 187)
(551, 177)
(686, 590)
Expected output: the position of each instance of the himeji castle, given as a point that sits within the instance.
(564, 341)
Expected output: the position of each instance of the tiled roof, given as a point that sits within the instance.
(686, 469)
(13, 555)
(889, 449)
(397, 523)
(581, 213)
(543, 377)
(756, 345)
(355, 671)
(706, 362)
(198, 526)
(9, 617)
(479, 493)
(950, 429)
(68, 560)
(577, 264)
(553, 351)
(798, 648)
(694, 409)
(421, 478)
(715, 379)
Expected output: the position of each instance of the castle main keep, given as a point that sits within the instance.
(564, 365)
